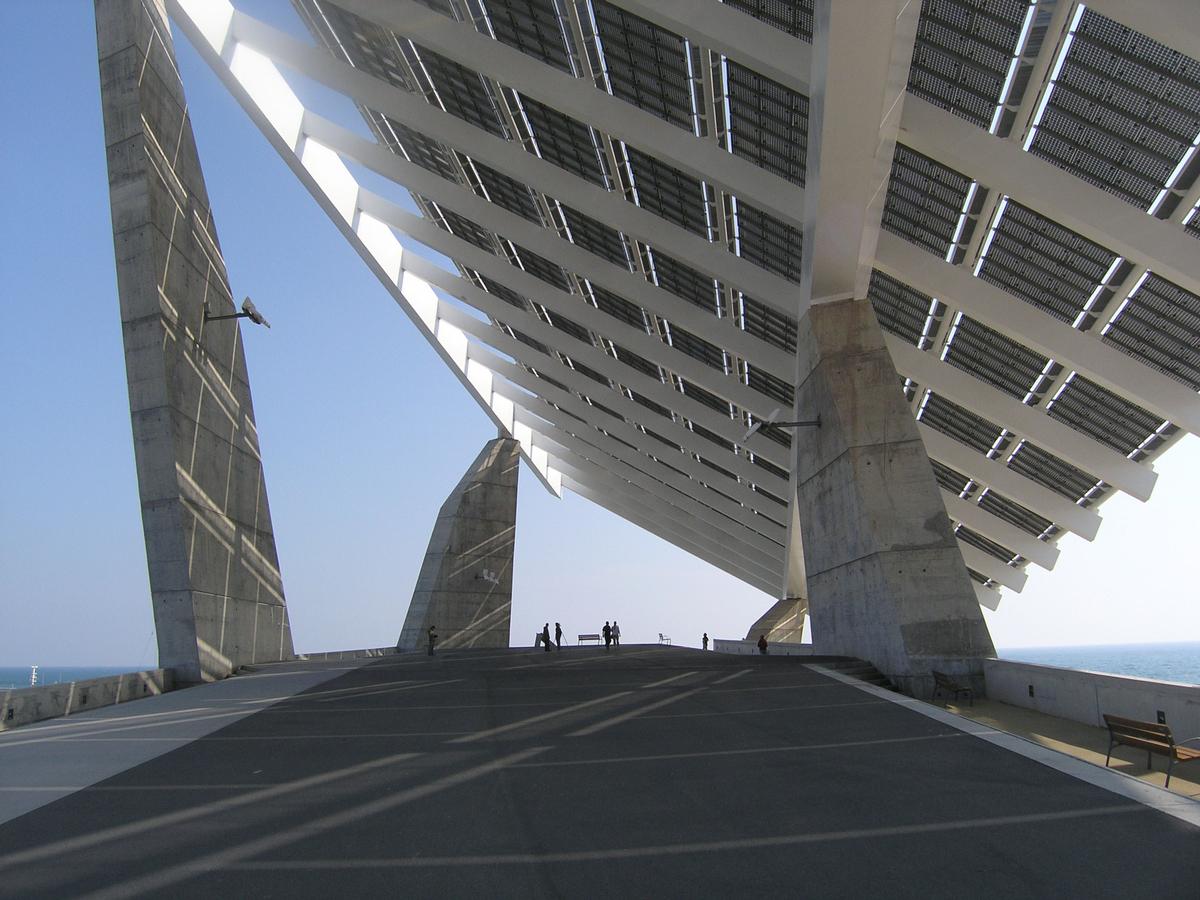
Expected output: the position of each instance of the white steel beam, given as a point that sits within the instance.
(990, 526)
(1097, 215)
(1009, 483)
(1084, 352)
(986, 564)
(578, 98)
(1136, 479)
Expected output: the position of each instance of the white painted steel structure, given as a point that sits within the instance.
(640, 200)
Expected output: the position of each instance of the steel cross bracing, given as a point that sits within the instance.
(642, 235)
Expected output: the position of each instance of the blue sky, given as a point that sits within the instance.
(364, 431)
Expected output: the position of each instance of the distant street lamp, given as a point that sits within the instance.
(771, 420)
(249, 311)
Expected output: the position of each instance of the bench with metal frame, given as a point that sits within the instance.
(944, 683)
(1151, 737)
(586, 637)
(664, 639)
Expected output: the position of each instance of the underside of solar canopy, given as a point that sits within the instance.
(627, 192)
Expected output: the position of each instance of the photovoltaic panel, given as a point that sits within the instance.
(768, 466)
(1044, 263)
(698, 348)
(618, 307)
(995, 358)
(685, 282)
(532, 27)
(780, 436)
(592, 234)
(508, 295)
(901, 309)
(662, 440)
(614, 414)
(715, 438)
(951, 479)
(587, 372)
(768, 324)
(768, 242)
(636, 361)
(542, 268)
(959, 423)
(988, 546)
(370, 47)
(712, 401)
(645, 64)
(1015, 514)
(462, 92)
(1104, 416)
(574, 329)
(461, 226)
(654, 407)
(765, 493)
(1124, 110)
(768, 123)
(536, 345)
(668, 192)
(775, 388)
(1161, 326)
(793, 16)
(563, 141)
(962, 53)
(419, 148)
(508, 193)
(1051, 472)
(924, 200)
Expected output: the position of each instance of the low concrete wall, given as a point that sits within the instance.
(1084, 696)
(746, 648)
(369, 653)
(21, 706)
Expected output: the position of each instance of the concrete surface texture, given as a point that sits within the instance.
(644, 772)
(214, 573)
(465, 584)
(886, 581)
(783, 623)
(22, 706)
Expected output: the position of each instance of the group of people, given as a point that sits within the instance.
(544, 637)
(612, 634)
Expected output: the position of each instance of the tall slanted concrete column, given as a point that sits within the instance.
(465, 585)
(886, 579)
(214, 574)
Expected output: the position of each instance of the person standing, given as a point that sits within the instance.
(546, 637)
(616, 634)
(705, 640)
(558, 635)
(432, 638)
(607, 632)
(762, 644)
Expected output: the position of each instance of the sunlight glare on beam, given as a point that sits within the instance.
(269, 91)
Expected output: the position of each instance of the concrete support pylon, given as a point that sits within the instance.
(465, 585)
(783, 623)
(886, 580)
(214, 573)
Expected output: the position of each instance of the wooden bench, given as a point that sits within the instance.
(1152, 738)
(586, 637)
(944, 683)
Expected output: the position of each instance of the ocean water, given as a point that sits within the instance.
(1166, 662)
(18, 676)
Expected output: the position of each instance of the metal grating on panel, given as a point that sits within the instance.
(668, 192)
(712, 401)
(951, 479)
(594, 235)
(768, 242)
(1123, 111)
(542, 268)
(979, 542)
(1044, 263)
(959, 423)
(563, 141)
(532, 27)
(1103, 416)
(768, 123)
(685, 282)
(574, 329)
(793, 16)
(462, 227)
(768, 324)
(508, 193)
(902, 310)
(1051, 472)
(417, 147)
(618, 307)
(509, 296)
(924, 200)
(646, 65)
(462, 91)
(1014, 513)
(697, 348)
(997, 359)
(768, 384)
(962, 54)
(643, 365)
(1160, 325)
(368, 46)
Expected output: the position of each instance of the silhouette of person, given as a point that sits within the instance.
(616, 634)
(762, 644)
(557, 635)
(432, 638)
(546, 636)
(705, 640)
(607, 632)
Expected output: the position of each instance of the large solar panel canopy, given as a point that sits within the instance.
(632, 203)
